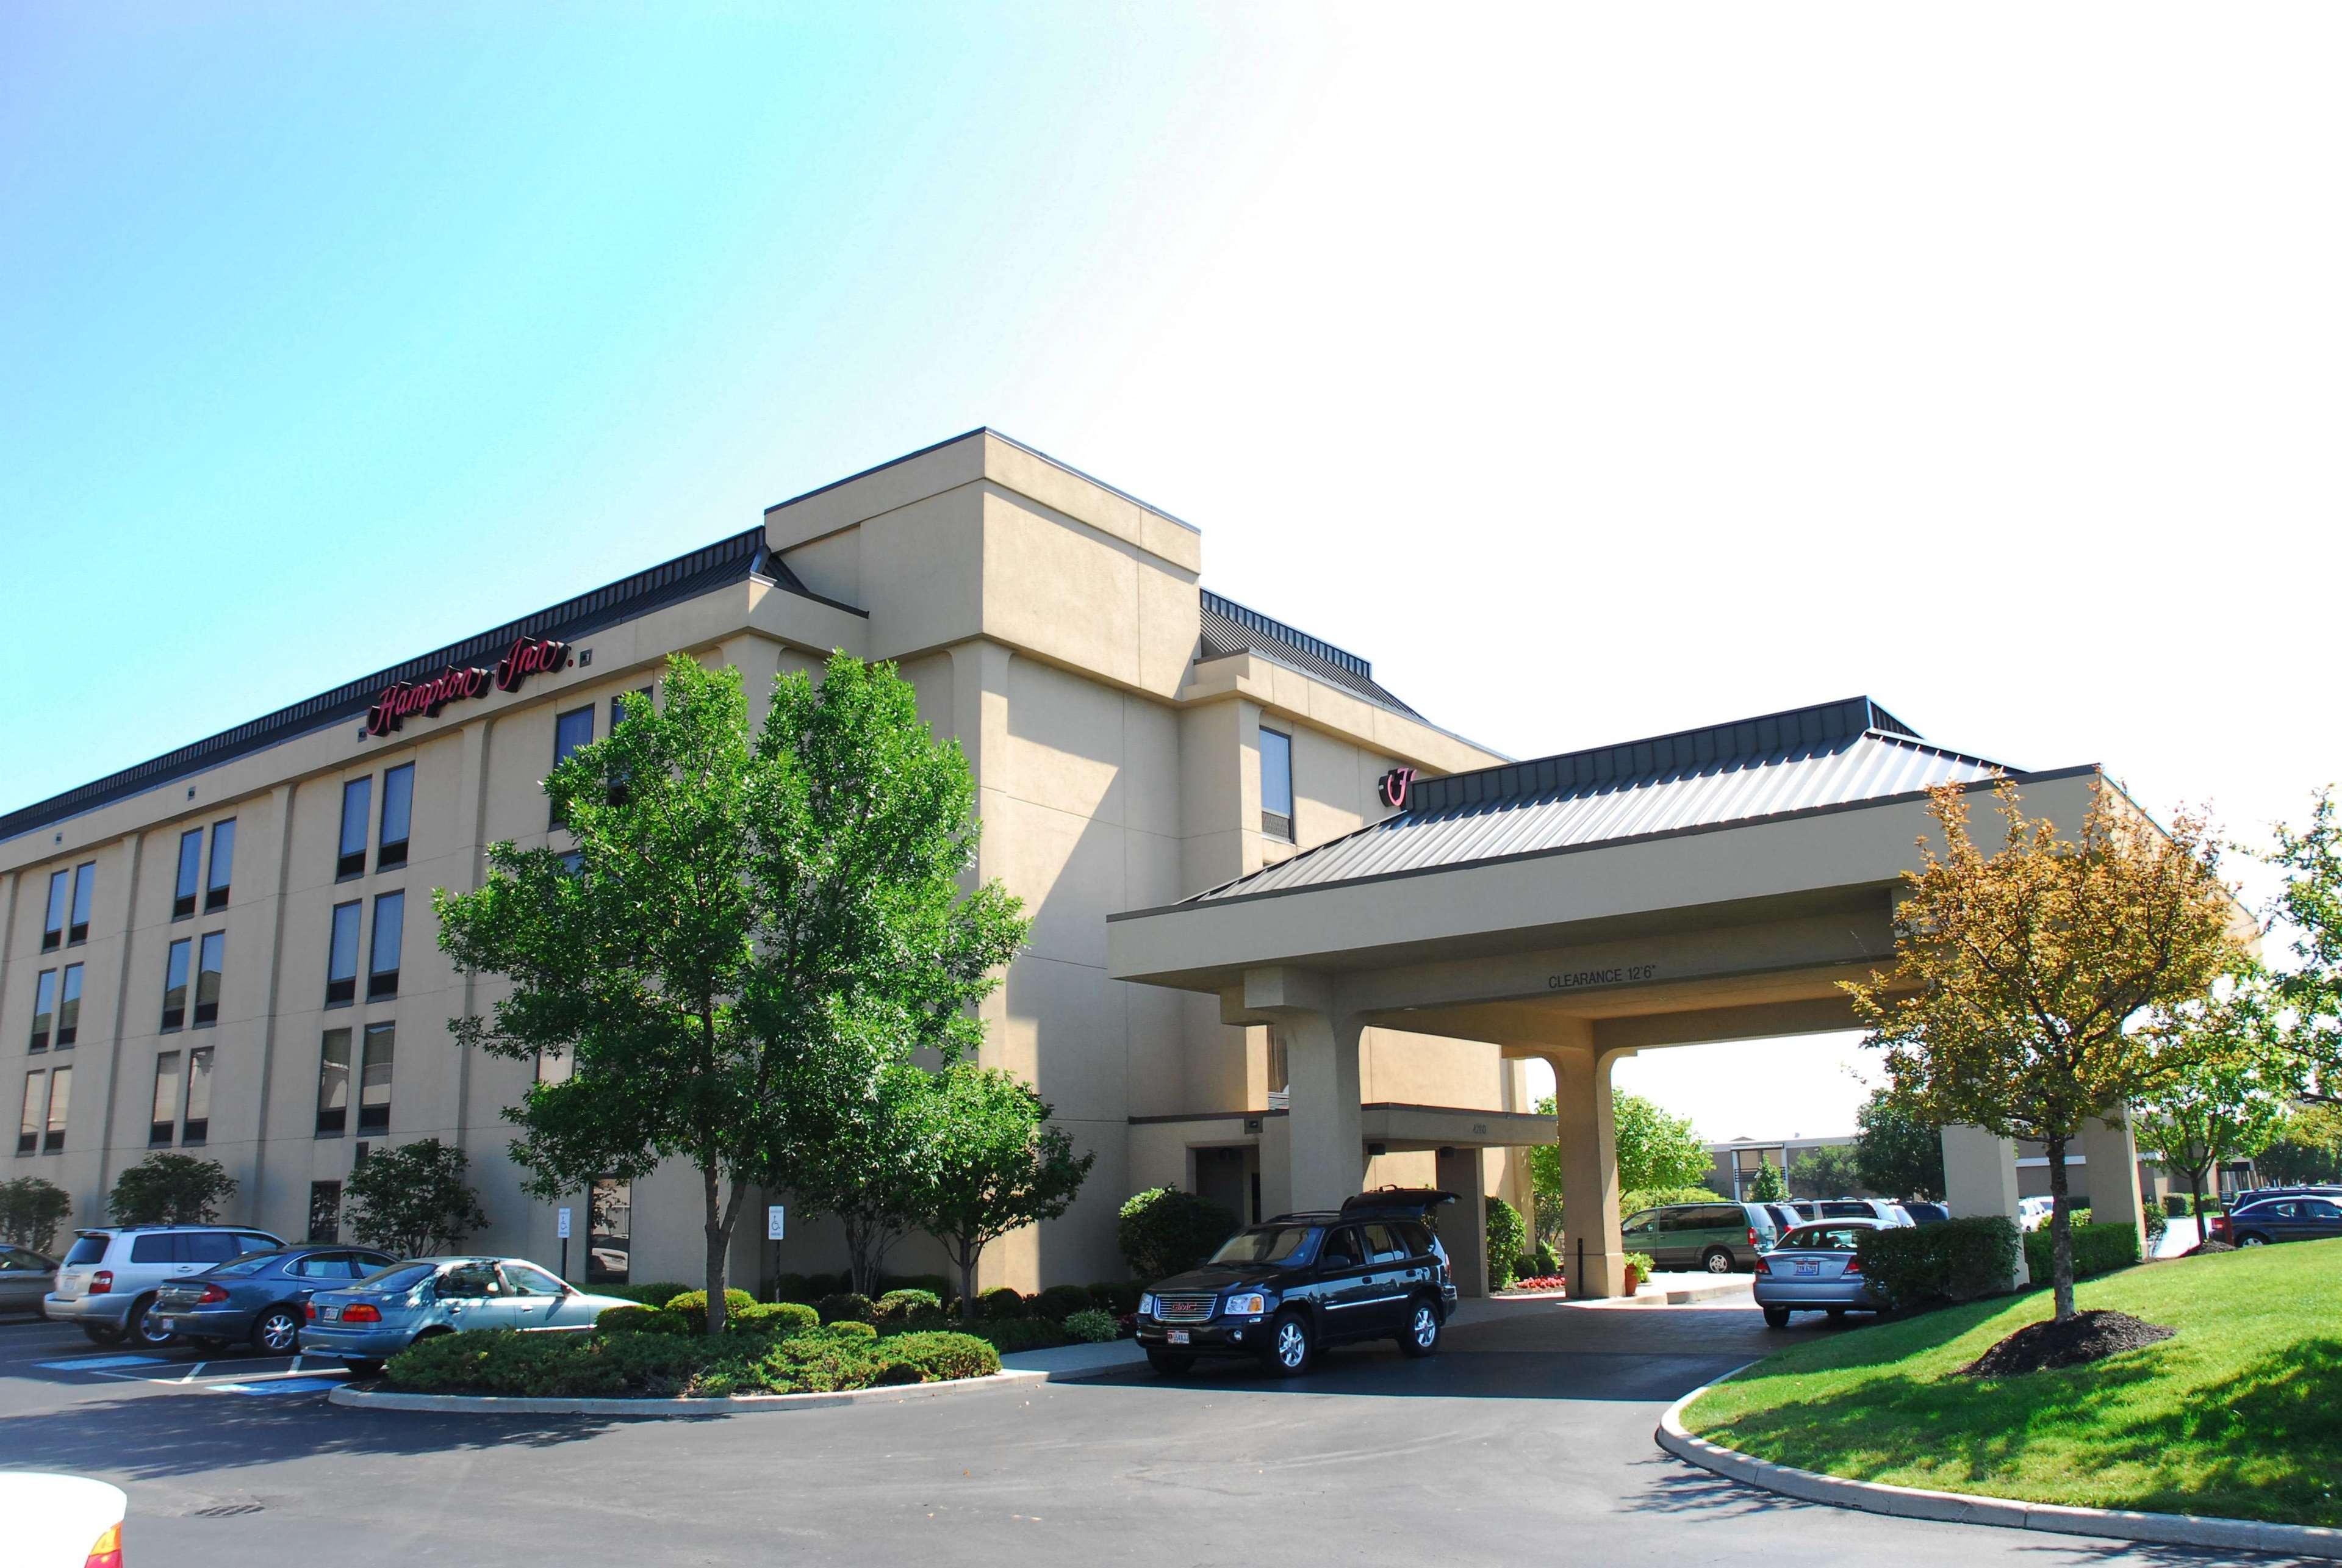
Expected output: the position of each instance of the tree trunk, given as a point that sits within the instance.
(2061, 1234)
(719, 1250)
(965, 1257)
(864, 1251)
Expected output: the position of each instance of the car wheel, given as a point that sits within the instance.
(99, 1334)
(144, 1330)
(1170, 1363)
(1422, 1335)
(1716, 1261)
(2252, 1238)
(276, 1332)
(1290, 1347)
(1777, 1317)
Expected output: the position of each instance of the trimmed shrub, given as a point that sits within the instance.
(774, 1317)
(1091, 1327)
(934, 1357)
(846, 1307)
(2097, 1250)
(1164, 1231)
(1957, 1261)
(1018, 1333)
(1505, 1235)
(899, 1312)
(809, 1288)
(651, 1365)
(818, 1363)
(934, 1285)
(1002, 1305)
(691, 1307)
(848, 1330)
(1059, 1302)
(656, 1293)
(1119, 1297)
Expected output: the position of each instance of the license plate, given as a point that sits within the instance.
(1176, 1336)
(329, 1315)
(1809, 1268)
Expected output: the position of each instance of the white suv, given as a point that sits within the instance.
(107, 1281)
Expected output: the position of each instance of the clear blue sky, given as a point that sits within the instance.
(1595, 372)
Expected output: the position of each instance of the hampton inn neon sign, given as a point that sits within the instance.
(529, 655)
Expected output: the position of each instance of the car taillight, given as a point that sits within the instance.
(213, 1295)
(108, 1552)
(361, 1313)
(1854, 1265)
(309, 1311)
(1752, 1237)
(1762, 1266)
(101, 1281)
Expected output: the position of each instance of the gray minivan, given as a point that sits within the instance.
(1717, 1237)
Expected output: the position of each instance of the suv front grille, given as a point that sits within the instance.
(1182, 1309)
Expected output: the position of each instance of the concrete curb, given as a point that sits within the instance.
(745, 1404)
(1963, 1508)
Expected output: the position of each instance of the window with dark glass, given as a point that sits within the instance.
(60, 1093)
(374, 1077)
(324, 1211)
(69, 1007)
(357, 805)
(397, 816)
(198, 1125)
(1276, 784)
(190, 868)
(334, 1085)
(163, 1119)
(389, 929)
(84, 885)
(45, 1009)
(211, 961)
(342, 956)
(609, 1231)
(175, 982)
(571, 730)
(223, 865)
(53, 933)
(28, 1121)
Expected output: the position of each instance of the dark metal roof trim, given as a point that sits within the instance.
(1229, 628)
(734, 559)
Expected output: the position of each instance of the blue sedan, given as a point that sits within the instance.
(368, 1322)
(1814, 1268)
(258, 1298)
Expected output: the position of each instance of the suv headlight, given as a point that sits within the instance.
(1252, 1303)
(1147, 1304)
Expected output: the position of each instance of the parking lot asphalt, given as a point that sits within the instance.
(1528, 1438)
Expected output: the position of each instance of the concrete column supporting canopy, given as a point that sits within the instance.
(1980, 1178)
(2111, 1152)
(1326, 1147)
(1593, 1261)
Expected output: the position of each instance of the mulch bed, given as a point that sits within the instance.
(2081, 1338)
(2200, 1248)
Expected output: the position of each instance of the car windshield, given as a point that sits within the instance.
(1822, 1239)
(1266, 1244)
(250, 1263)
(397, 1277)
(87, 1250)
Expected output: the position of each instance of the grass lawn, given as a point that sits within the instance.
(2239, 1415)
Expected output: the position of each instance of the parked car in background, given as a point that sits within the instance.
(2271, 1219)
(26, 1276)
(61, 1521)
(1926, 1214)
(1812, 1210)
(368, 1323)
(1717, 1237)
(2032, 1213)
(1814, 1268)
(107, 1280)
(1785, 1215)
(259, 1298)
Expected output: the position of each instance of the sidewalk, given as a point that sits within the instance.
(1068, 1363)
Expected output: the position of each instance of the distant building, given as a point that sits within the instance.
(1732, 1165)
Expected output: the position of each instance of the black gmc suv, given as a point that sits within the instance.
(1286, 1289)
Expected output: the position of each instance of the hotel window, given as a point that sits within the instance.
(389, 927)
(45, 1009)
(211, 960)
(1280, 1073)
(1276, 784)
(53, 933)
(571, 731)
(163, 1119)
(85, 883)
(198, 1125)
(175, 984)
(342, 956)
(374, 1077)
(334, 1085)
(60, 1091)
(398, 814)
(190, 868)
(69, 1007)
(28, 1121)
(358, 804)
(324, 1211)
(554, 1066)
(223, 865)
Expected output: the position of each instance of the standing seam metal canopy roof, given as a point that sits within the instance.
(1833, 754)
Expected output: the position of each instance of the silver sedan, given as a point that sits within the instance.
(1814, 1268)
(26, 1276)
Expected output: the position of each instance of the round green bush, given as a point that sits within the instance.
(847, 1330)
(776, 1317)
(1164, 1232)
(1091, 1327)
(847, 1307)
(898, 1311)
(1119, 1297)
(691, 1307)
(1059, 1302)
(1002, 1305)
(935, 1357)
(1505, 1235)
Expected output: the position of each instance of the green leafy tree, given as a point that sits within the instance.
(1830, 1171)
(873, 1171)
(1897, 1154)
(31, 1210)
(170, 1190)
(2308, 906)
(1503, 1240)
(1654, 1150)
(2307, 1146)
(999, 1165)
(2020, 972)
(756, 924)
(1767, 1186)
(414, 1200)
(2240, 1078)
(1165, 1230)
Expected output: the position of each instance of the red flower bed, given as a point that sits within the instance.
(1539, 1282)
